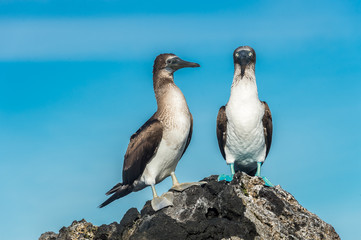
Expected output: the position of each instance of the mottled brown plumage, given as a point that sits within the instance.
(144, 144)
(189, 136)
(222, 130)
(142, 147)
(160, 61)
(267, 126)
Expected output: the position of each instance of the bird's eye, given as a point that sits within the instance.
(169, 61)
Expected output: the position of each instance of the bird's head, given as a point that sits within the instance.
(171, 63)
(244, 57)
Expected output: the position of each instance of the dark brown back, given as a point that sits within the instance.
(222, 130)
(142, 147)
(267, 126)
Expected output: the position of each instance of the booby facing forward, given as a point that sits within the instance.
(244, 125)
(155, 149)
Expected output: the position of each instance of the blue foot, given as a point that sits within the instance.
(267, 182)
(258, 174)
(224, 177)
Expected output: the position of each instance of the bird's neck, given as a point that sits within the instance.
(169, 97)
(161, 79)
(244, 86)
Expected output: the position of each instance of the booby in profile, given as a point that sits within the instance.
(244, 125)
(155, 149)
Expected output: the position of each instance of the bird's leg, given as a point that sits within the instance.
(226, 177)
(232, 170)
(174, 179)
(161, 202)
(182, 186)
(154, 191)
(258, 174)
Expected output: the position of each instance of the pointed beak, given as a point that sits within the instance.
(244, 57)
(183, 64)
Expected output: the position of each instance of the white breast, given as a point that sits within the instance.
(176, 126)
(245, 142)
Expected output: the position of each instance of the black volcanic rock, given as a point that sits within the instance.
(242, 209)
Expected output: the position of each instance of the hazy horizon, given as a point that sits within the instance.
(76, 83)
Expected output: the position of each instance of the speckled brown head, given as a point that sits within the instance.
(244, 56)
(171, 63)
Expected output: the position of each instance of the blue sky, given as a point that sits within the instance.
(75, 83)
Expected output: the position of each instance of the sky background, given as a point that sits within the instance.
(76, 82)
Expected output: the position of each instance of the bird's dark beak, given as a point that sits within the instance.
(244, 57)
(183, 64)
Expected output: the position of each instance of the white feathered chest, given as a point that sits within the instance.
(177, 118)
(176, 121)
(245, 134)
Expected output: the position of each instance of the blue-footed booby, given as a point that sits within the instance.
(244, 125)
(155, 149)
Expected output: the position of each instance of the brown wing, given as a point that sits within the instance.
(142, 147)
(189, 135)
(222, 129)
(267, 126)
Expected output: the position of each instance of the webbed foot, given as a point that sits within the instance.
(228, 178)
(182, 186)
(163, 201)
(258, 174)
(225, 177)
(267, 182)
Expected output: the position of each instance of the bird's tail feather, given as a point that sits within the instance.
(119, 191)
(114, 189)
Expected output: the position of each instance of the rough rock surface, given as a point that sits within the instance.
(241, 209)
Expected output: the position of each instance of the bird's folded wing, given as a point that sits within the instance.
(142, 147)
(189, 135)
(222, 129)
(267, 126)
